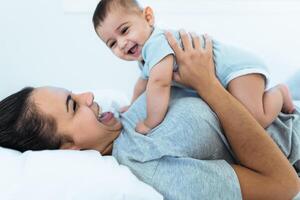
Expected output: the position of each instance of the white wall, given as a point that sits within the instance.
(44, 42)
(40, 44)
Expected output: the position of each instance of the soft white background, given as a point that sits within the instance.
(52, 42)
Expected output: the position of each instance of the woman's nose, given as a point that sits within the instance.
(87, 98)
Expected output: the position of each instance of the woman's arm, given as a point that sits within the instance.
(264, 172)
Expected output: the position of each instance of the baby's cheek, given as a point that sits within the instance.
(119, 54)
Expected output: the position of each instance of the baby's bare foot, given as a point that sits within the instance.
(288, 105)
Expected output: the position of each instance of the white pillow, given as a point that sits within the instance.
(68, 175)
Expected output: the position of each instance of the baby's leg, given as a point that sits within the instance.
(263, 105)
(288, 105)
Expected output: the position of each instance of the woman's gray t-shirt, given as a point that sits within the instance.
(187, 156)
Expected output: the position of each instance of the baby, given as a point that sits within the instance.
(128, 30)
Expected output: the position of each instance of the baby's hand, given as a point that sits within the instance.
(142, 128)
(124, 109)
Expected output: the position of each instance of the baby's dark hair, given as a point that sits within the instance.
(106, 6)
(23, 127)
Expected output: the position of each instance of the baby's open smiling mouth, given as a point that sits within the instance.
(134, 51)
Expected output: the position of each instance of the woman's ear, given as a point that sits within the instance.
(70, 146)
(149, 15)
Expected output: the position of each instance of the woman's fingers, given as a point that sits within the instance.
(173, 43)
(208, 43)
(187, 45)
(196, 40)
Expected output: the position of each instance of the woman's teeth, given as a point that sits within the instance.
(100, 115)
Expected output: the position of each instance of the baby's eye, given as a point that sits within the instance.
(124, 30)
(112, 44)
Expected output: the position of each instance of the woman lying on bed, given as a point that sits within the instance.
(187, 156)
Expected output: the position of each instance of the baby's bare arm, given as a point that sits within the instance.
(158, 91)
(139, 88)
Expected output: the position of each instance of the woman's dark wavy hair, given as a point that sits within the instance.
(23, 127)
(105, 6)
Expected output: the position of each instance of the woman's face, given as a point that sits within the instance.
(77, 117)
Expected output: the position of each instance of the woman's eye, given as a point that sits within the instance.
(74, 106)
(124, 30)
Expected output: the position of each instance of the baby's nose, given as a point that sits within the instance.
(123, 44)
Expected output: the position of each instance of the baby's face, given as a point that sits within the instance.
(125, 33)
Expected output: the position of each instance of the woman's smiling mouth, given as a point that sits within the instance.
(105, 117)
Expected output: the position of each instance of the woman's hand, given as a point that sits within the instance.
(196, 65)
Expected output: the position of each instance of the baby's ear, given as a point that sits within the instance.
(149, 15)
